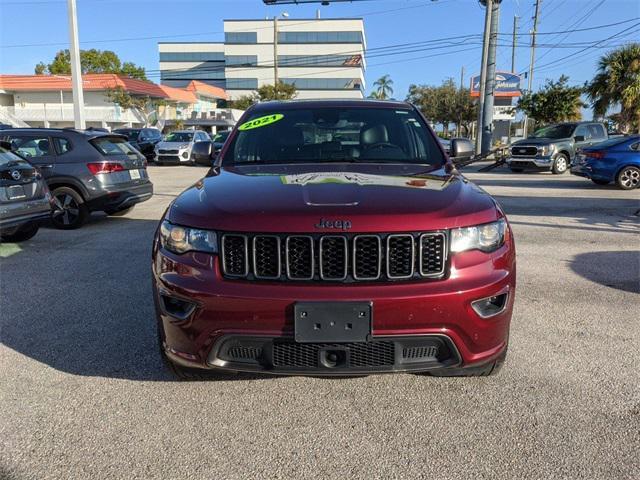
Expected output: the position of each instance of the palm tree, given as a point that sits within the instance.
(384, 88)
(617, 82)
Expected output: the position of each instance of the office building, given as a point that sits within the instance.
(323, 58)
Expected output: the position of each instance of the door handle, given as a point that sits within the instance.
(50, 165)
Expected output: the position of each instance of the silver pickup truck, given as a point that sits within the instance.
(554, 147)
(25, 200)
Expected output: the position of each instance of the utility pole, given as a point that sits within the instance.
(483, 72)
(275, 54)
(532, 61)
(514, 42)
(76, 71)
(487, 111)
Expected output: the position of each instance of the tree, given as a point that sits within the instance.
(444, 104)
(145, 105)
(617, 84)
(384, 88)
(555, 102)
(91, 61)
(285, 91)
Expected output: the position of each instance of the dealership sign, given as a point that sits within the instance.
(507, 85)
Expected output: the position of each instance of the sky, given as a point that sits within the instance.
(33, 30)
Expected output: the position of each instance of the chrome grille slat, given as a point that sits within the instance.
(339, 257)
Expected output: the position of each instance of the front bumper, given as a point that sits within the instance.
(210, 311)
(531, 163)
(588, 171)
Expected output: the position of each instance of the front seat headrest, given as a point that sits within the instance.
(374, 134)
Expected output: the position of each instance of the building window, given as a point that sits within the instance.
(325, 83)
(213, 71)
(242, 83)
(191, 56)
(320, 60)
(320, 37)
(241, 37)
(241, 60)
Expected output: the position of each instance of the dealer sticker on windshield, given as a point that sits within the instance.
(261, 121)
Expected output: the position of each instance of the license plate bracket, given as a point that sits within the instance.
(15, 192)
(320, 322)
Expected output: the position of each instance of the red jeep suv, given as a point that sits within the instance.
(334, 238)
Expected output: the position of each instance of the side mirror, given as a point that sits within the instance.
(6, 145)
(579, 138)
(201, 153)
(461, 149)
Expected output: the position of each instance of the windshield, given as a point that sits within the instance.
(8, 159)
(554, 131)
(179, 137)
(323, 135)
(130, 134)
(113, 146)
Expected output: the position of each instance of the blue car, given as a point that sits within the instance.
(616, 160)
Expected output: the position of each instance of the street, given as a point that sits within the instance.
(85, 395)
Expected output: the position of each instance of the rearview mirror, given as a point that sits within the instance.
(201, 153)
(579, 138)
(461, 149)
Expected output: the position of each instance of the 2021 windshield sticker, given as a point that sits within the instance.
(261, 121)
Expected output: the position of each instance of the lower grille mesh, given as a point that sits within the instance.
(361, 354)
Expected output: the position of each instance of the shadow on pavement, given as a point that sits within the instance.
(619, 270)
(80, 301)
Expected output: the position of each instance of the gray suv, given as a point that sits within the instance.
(24, 198)
(86, 170)
(554, 147)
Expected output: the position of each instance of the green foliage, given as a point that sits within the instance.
(444, 104)
(384, 88)
(617, 83)
(145, 105)
(555, 102)
(284, 91)
(91, 61)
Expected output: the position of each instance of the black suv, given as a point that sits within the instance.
(85, 171)
(143, 139)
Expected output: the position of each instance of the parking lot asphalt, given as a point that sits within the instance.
(84, 394)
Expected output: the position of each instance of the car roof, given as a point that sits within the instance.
(329, 103)
(69, 131)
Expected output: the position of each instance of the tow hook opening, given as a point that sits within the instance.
(490, 306)
(333, 358)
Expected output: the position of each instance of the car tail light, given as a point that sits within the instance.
(597, 154)
(104, 167)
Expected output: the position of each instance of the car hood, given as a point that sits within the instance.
(170, 145)
(372, 198)
(541, 141)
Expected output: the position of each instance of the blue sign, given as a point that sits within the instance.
(507, 85)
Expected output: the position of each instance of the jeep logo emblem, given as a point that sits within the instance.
(335, 224)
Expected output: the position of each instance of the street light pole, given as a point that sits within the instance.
(76, 71)
(275, 53)
(483, 73)
(514, 41)
(531, 62)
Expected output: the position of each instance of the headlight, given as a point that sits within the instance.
(179, 239)
(183, 146)
(487, 237)
(547, 149)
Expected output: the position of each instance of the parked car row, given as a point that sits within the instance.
(84, 171)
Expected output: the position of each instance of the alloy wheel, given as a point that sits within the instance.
(630, 178)
(66, 209)
(561, 164)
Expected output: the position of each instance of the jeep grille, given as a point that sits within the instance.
(334, 258)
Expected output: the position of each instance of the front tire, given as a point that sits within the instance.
(560, 164)
(628, 178)
(24, 233)
(69, 211)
